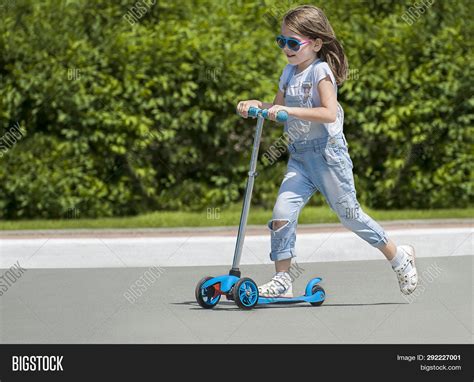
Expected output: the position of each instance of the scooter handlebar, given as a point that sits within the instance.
(254, 112)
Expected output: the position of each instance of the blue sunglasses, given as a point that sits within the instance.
(292, 43)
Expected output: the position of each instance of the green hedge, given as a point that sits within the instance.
(119, 119)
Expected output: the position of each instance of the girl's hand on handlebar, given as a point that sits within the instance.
(273, 111)
(244, 106)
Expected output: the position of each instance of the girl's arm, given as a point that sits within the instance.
(326, 113)
(278, 100)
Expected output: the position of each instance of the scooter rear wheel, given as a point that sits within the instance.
(206, 297)
(245, 293)
(316, 289)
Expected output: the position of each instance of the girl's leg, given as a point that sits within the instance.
(283, 265)
(294, 192)
(333, 177)
(402, 258)
(389, 249)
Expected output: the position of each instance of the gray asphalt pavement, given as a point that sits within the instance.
(363, 305)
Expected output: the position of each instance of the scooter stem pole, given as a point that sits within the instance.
(247, 198)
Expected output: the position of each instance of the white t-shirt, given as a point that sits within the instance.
(321, 70)
(302, 91)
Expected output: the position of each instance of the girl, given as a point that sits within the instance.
(319, 159)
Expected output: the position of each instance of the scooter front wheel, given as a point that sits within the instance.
(208, 297)
(245, 293)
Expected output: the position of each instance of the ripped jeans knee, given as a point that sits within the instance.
(282, 239)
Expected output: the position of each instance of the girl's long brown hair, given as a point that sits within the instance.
(311, 21)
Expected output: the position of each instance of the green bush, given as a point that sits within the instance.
(120, 119)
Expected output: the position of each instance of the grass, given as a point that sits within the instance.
(226, 217)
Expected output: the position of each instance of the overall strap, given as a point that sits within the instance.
(290, 76)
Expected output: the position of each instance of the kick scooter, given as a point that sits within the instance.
(244, 291)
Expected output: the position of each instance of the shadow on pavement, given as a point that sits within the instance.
(195, 305)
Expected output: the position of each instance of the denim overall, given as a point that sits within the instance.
(318, 162)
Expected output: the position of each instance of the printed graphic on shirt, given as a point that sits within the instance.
(307, 91)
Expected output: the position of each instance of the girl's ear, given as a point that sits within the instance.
(318, 44)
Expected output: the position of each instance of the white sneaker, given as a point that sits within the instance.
(279, 286)
(408, 280)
